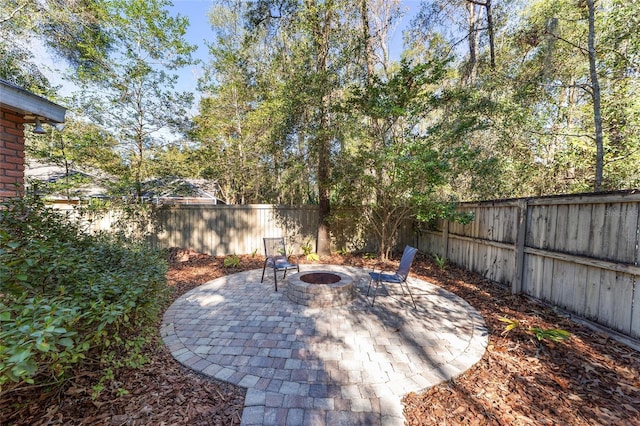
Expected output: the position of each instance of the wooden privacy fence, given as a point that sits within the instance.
(221, 229)
(227, 229)
(580, 253)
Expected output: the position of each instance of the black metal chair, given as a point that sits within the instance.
(275, 253)
(397, 277)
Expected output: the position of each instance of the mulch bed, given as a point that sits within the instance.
(586, 380)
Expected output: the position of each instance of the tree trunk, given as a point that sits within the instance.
(487, 6)
(366, 39)
(324, 207)
(472, 66)
(492, 50)
(321, 28)
(595, 93)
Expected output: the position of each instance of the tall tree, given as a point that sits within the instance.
(231, 141)
(313, 41)
(133, 93)
(595, 95)
(571, 67)
(552, 65)
(321, 19)
(398, 169)
(78, 145)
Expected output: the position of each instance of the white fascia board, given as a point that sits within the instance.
(29, 104)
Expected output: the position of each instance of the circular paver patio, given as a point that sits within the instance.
(343, 365)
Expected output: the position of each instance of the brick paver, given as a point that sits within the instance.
(343, 365)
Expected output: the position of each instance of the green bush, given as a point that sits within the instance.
(232, 261)
(65, 293)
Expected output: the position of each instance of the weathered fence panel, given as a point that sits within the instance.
(220, 229)
(580, 253)
(223, 229)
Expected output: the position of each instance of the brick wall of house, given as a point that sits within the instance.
(11, 153)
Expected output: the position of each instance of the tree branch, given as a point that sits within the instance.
(622, 157)
(479, 3)
(570, 43)
(586, 87)
(13, 13)
(574, 135)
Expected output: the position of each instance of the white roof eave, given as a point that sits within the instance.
(30, 105)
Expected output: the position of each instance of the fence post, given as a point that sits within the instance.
(445, 239)
(521, 235)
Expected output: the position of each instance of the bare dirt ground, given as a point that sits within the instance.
(586, 380)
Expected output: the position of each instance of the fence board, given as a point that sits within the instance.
(547, 277)
(622, 312)
(558, 240)
(585, 231)
(550, 229)
(571, 239)
(536, 226)
(611, 226)
(594, 280)
(598, 217)
(559, 281)
(578, 294)
(627, 241)
(606, 302)
(635, 315)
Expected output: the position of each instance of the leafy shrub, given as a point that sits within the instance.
(441, 261)
(64, 293)
(553, 334)
(232, 261)
(307, 250)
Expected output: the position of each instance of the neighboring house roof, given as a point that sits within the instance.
(166, 189)
(51, 173)
(172, 187)
(30, 105)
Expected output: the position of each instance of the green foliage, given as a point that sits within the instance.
(441, 261)
(511, 324)
(79, 146)
(65, 294)
(553, 334)
(232, 261)
(72, 31)
(411, 151)
(430, 210)
(307, 250)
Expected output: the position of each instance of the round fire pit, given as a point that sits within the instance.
(320, 289)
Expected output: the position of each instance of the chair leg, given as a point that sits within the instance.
(275, 277)
(375, 292)
(369, 287)
(263, 269)
(410, 294)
